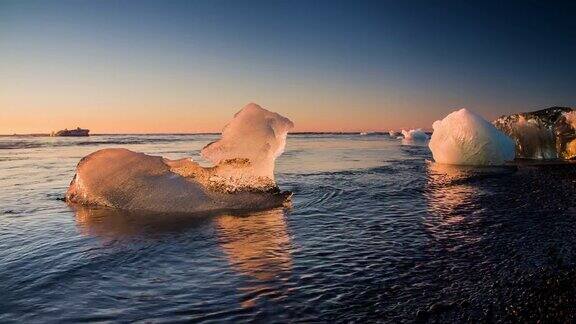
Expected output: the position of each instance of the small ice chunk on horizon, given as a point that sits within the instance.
(415, 135)
(465, 138)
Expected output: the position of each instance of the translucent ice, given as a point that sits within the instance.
(533, 139)
(566, 136)
(255, 134)
(543, 134)
(464, 138)
(416, 135)
(570, 117)
(123, 179)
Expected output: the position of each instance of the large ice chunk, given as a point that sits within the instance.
(464, 138)
(123, 179)
(255, 134)
(543, 134)
(566, 135)
(416, 135)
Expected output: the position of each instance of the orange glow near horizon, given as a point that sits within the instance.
(20, 114)
(187, 67)
(40, 95)
(109, 121)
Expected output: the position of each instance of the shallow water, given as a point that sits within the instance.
(375, 232)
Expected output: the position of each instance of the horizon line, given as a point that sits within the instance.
(199, 133)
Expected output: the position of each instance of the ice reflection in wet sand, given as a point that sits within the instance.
(452, 193)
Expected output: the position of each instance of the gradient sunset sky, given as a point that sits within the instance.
(188, 66)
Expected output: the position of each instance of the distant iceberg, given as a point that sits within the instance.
(416, 135)
(242, 178)
(464, 138)
(544, 134)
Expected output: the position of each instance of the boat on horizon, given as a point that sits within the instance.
(74, 132)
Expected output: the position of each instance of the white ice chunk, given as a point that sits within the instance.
(416, 135)
(255, 134)
(123, 179)
(464, 138)
(242, 179)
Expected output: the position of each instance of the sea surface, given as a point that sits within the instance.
(376, 233)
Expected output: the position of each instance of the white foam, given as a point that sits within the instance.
(465, 138)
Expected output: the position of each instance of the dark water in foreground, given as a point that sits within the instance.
(375, 233)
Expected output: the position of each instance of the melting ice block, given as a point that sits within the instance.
(255, 134)
(544, 134)
(464, 138)
(242, 178)
(416, 135)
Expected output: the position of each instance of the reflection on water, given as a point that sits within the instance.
(375, 234)
(452, 195)
(500, 238)
(111, 225)
(449, 190)
(256, 245)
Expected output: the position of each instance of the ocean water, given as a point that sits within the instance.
(376, 232)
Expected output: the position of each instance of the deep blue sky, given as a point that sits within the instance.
(329, 65)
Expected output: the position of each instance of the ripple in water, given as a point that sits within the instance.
(375, 233)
